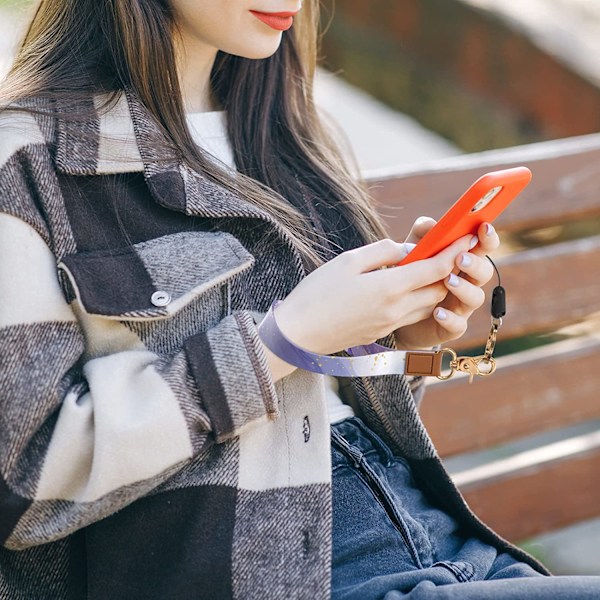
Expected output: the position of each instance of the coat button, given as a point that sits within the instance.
(160, 298)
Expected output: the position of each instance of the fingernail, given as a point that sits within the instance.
(440, 314)
(453, 280)
(408, 247)
(473, 242)
(466, 260)
(489, 229)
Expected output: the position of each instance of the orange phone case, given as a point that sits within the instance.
(495, 191)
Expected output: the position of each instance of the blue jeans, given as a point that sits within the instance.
(389, 542)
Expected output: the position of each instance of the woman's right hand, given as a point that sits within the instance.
(340, 304)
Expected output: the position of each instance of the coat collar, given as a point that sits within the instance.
(126, 139)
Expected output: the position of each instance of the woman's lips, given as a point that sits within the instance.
(280, 21)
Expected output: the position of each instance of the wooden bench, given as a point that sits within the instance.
(548, 287)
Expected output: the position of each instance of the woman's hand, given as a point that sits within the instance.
(350, 300)
(450, 318)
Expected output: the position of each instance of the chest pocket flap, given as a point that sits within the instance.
(153, 279)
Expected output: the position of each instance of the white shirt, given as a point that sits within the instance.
(209, 130)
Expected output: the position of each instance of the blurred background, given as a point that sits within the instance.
(428, 95)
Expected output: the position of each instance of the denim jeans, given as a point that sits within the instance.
(389, 542)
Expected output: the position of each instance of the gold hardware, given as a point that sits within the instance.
(453, 363)
(491, 341)
(473, 365)
(483, 365)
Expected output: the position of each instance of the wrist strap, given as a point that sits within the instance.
(365, 360)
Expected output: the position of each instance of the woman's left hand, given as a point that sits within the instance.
(464, 294)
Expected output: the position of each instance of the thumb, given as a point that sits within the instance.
(420, 227)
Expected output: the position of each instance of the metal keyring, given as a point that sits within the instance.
(453, 363)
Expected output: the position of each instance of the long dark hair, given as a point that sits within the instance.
(282, 149)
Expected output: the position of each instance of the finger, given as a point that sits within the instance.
(454, 324)
(466, 296)
(475, 269)
(488, 239)
(420, 273)
(406, 309)
(416, 316)
(422, 299)
(420, 227)
(385, 252)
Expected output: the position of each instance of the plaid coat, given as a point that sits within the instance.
(145, 451)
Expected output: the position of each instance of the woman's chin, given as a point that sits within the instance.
(257, 48)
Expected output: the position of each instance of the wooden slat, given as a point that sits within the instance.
(546, 288)
(532, 391)
(565, 185)
(537, 491)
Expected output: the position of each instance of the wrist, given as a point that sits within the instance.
(294, 328)
(279, 367)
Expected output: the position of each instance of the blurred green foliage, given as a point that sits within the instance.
(535, 549)
(14, 4)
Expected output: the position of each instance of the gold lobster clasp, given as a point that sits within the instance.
(473, 365)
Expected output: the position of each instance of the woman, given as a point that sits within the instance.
(164, 177)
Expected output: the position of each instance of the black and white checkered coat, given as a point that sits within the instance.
(145, 451)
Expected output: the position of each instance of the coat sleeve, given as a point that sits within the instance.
(81, 437)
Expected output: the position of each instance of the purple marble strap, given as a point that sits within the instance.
(367, 360)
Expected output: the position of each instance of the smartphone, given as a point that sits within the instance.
(481, 203)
